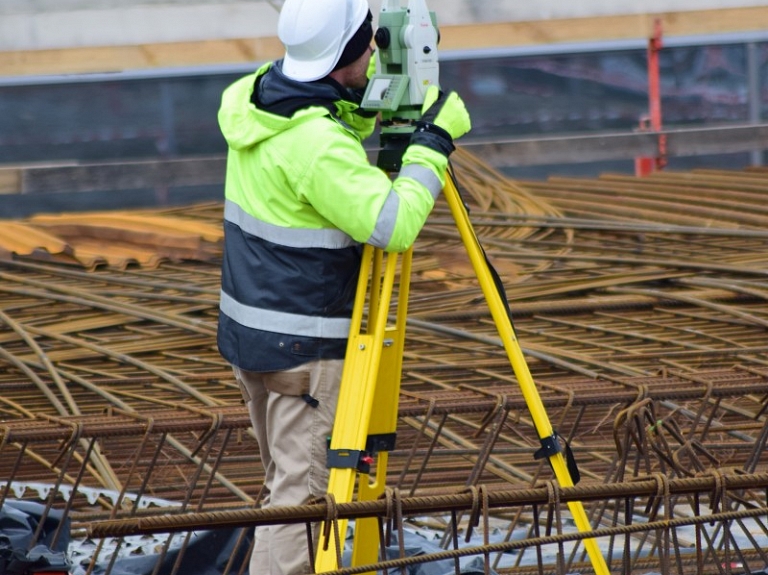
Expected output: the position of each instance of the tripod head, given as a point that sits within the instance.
(407, 64)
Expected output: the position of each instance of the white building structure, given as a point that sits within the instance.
(62, 24)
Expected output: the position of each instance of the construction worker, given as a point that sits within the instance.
(301, 199)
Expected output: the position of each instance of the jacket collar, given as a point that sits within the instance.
(276, 93)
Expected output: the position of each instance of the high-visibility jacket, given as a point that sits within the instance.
(300, 200)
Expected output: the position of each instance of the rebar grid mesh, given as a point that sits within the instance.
(642, 315)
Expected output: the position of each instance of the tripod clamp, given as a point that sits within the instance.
(551, 446)
(360, 459)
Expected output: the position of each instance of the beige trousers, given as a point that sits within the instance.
(292, 434)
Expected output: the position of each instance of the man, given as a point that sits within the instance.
(301, 198)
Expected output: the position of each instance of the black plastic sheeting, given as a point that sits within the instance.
(19, 521)
(40, 559)
(207, 552)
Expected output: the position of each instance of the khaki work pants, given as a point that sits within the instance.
(292, 436)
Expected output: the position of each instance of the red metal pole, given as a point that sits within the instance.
(654, 89)
(647, 165)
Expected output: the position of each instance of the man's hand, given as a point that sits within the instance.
(446, 111)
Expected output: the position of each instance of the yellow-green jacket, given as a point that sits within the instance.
(300, 199)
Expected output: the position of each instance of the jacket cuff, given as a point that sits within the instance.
(434, 137)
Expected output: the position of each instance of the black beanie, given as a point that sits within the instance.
(358, 43)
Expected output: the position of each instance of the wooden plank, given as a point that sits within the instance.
(606, 28)
(147, 56)
(543, 32)
(10, 180)
(72, 60)
(212, 52)
(475, 36)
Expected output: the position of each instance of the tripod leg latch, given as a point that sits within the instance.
(360, 459)
(349, 459)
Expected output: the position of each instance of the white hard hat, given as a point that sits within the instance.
(315, 33)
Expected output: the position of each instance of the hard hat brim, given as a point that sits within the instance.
(309, 70)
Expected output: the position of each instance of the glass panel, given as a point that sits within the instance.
(511, 97)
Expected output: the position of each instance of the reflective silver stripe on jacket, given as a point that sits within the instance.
(424, 176)
(281, 322)
(385, 224)
(289, 237)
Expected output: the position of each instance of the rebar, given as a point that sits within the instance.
(640, 305)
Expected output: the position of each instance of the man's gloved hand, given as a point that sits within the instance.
(444, 118)
(447, 111)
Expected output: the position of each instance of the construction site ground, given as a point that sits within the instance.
(641, 305)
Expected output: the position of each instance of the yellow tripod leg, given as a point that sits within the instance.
(514, 352)
(383, 422)
(368, 397)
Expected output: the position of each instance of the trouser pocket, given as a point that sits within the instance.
(295, 382)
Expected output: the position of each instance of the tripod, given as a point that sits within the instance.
(366, 418)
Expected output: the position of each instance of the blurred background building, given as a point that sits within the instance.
(117, 80)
